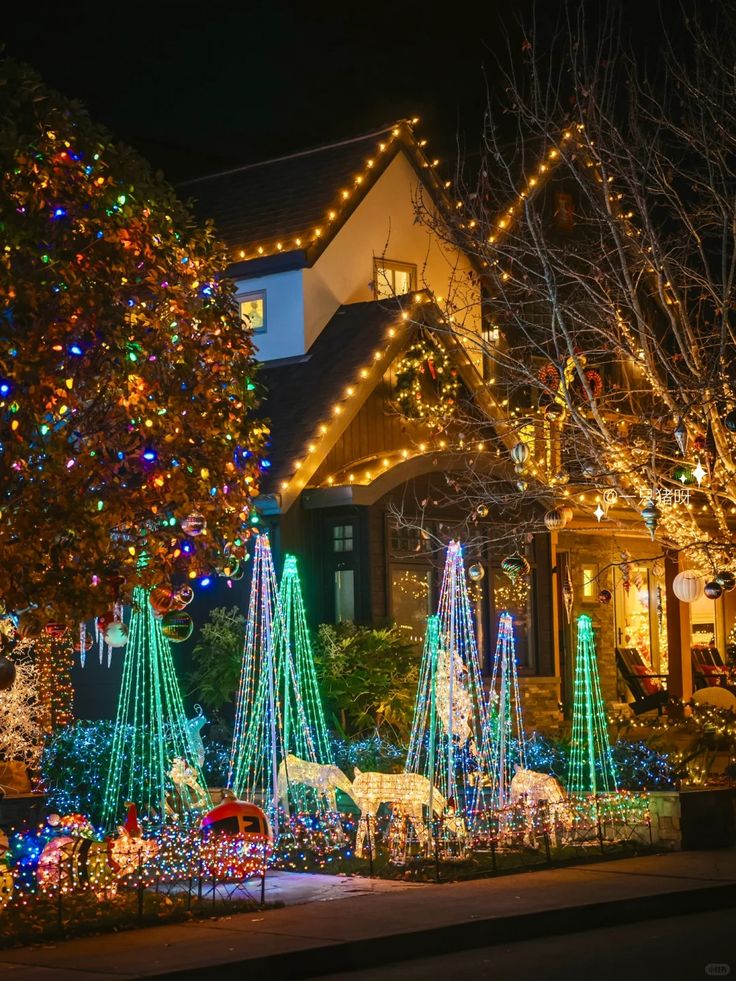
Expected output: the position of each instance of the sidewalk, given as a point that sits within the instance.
(342, 923)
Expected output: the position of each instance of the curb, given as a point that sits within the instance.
(352, 955)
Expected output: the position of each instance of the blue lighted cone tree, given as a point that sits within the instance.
(447, 737)
(271, 720)
(591, 769)
(505, 739)
(150, 730)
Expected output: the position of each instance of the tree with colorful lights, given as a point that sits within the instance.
(448, 742)
(126, 373)
(602, 217)
(591, 769)
(151, 751)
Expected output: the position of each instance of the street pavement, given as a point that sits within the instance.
(338, 924)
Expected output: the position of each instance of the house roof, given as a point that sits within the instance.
(298, 202)
(303, 392)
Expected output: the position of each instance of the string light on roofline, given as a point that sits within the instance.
(359, 179)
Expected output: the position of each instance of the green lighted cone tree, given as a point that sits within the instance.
(591, 769)
(271, 721)
(506, 733)
(446, 743)
(150, 741)
(300, 694)
(126, 371)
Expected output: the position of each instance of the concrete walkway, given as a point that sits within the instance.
(344, 923)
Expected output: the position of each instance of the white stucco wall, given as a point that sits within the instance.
(284, 334)
(384, 225)
(300, 303)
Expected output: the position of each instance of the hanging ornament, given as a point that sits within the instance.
(194, 524)
(482, 510)
(520, 455)
(519, 469)
(657, 570)
(116, 634)
(726, 580)
(730, 421)
(229, 567)
(567, 513)
(699, 442)
(515, 565)
(104, 620)
(568, 594)
(683, 474)
(604, 597)
(7, 673)
(84, 644)
(680, 434)
(476, 572)
(554, 410)
(651, 515)
(688, 586)
(625, 570)
(161, 599)
(177, 626)
(554, 519)
(186, 595)
(521, 486)
(713, 590)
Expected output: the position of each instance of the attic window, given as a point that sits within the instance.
(393, 278)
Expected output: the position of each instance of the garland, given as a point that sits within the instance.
(427, 385)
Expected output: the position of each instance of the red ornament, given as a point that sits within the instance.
(104, 621)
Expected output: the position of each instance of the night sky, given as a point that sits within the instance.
(200, 89)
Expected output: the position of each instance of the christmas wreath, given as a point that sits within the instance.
(426, 386)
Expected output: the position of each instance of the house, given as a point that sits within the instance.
(367, 324)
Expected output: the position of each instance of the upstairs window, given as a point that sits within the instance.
(253, 310)
(393, 278)
(342, 538)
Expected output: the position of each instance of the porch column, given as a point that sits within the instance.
(678, 636)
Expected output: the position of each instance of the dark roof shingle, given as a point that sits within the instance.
(301, 393)
(282, 198)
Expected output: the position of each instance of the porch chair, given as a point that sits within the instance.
(648, 688)
(709, 671)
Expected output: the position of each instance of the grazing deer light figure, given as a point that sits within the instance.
(411, 791)
(325, 778)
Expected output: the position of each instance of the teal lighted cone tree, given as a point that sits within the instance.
(505, 732)
(300, 694)
(591, 769)
(152, 764)
(446, 743)
(271, 724)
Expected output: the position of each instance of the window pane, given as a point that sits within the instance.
(402, 281)
(411, 592)
(384, 283)
(344, 595)
(342, 538)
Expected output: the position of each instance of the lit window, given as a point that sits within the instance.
(342, 538)
(253, 310)
(344, 595)
(393, 278)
